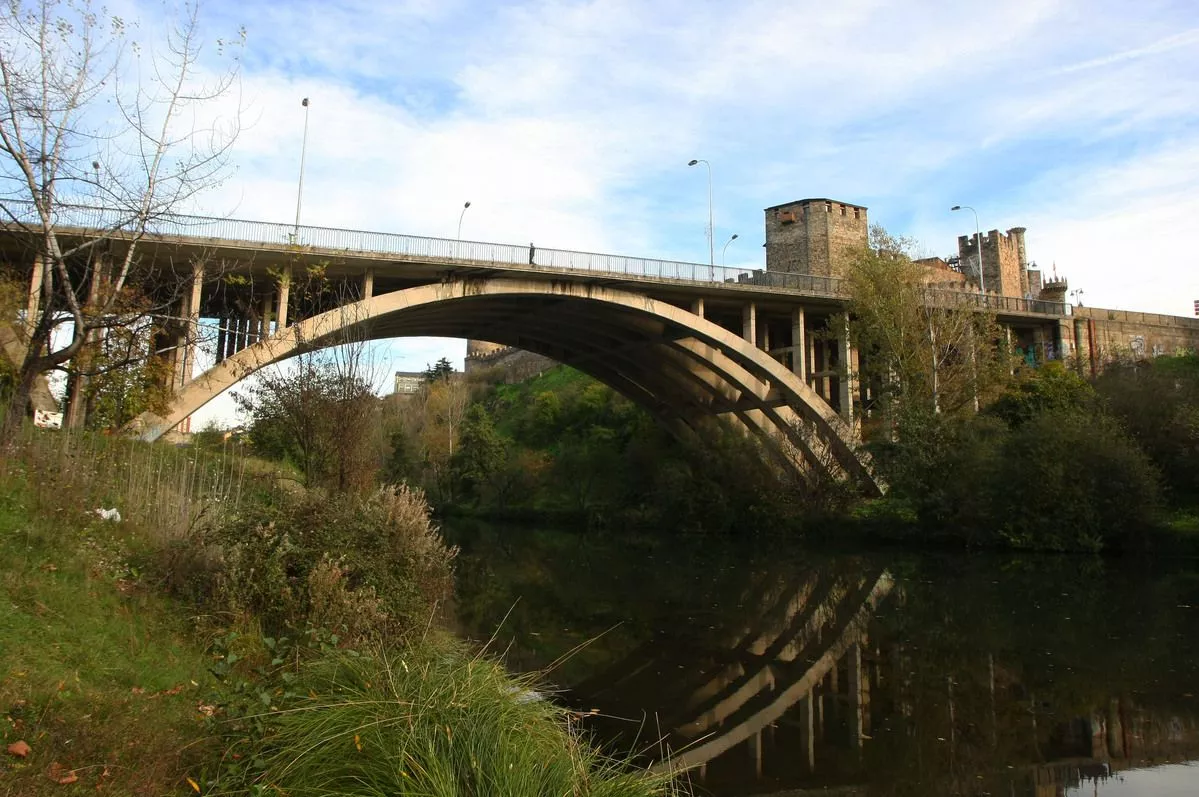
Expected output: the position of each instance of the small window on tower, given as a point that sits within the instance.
(857, 213)
(828, 207)
(842, 210)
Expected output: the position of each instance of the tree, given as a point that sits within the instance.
(320, 414)
(444, 405)
(481, 451)
(441, 370)
(923, 350)
(90, 116)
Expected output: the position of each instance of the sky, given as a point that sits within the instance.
(570, 124)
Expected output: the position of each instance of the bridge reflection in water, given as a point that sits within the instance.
(804, 652)
(842, 675)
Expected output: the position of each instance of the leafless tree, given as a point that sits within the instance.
(90, 116)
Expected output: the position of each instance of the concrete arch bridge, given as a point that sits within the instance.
(766, 349)
(679, 366)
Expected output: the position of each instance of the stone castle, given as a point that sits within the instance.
(818, 236)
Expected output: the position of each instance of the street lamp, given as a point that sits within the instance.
(726, 249)
(295, 233)
(1077, 294)
(460, 215)
(982, 285)
(711, 221)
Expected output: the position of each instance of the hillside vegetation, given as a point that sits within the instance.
(226, 636)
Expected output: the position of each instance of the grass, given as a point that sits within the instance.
(432, 720)
(99, 678)
(115, 690)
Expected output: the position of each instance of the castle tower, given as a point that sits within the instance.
(1002, 261)
(814, 236)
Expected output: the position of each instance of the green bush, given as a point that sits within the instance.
(1073, 481)
(1066, 479)
(1158, 402)
(942, 468)
(367, 565)
(1049, 388)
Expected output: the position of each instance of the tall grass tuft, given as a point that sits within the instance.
(164, 490)
(430, 720)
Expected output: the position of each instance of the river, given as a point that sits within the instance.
(768, 669)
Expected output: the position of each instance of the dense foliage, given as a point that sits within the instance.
(1048, 465)
(567, 446)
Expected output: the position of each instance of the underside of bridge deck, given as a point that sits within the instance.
(679, 366)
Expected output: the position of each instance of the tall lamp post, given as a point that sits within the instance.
(460, 215)
(978, 239)
(711, 221)
(295, 233)
(724, 250)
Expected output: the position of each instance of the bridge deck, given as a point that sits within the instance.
(252, 246)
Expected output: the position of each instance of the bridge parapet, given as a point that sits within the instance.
(215, 231)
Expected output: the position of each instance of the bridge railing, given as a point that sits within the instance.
(994, 303)
(265, 233)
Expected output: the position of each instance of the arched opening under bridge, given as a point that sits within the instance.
(678, 366)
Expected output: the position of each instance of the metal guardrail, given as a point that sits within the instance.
(265, 233)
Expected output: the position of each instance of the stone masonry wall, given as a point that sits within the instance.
(515, 364)
(814, 236)
(1002, 260)
(1123, 333)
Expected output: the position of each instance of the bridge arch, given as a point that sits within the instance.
(677, 365)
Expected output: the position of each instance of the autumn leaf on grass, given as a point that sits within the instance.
(194, 785)
(19, 748)
(61, 775)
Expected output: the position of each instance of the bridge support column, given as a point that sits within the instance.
(799, 346)
(35, 295)
(749, 323)
(368, 283)
(697, 307)
(764, 334)
(817, 362)
(846, 382)
(185, 352)
(284, 294)
(265, 330)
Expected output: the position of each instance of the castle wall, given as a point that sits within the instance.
(1123, 333)
(814, 236)
(516, 365)
(1002, 261)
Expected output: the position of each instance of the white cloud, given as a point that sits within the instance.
(569, 123)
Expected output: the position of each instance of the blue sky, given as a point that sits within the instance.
(571, 123)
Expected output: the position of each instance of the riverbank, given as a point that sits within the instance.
(203, 641)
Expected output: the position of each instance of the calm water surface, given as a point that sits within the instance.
(766, 669)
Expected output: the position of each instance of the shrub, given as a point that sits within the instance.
(371, 565)
(1072, 481)
(942, 467)
(1158, 402)
(1049, 388)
